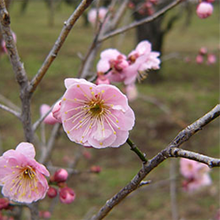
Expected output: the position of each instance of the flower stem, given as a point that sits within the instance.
(134, 148)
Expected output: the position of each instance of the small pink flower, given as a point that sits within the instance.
(141, 60)
(49, 119)
(67, 195)
(203, 50)
(131, 92)
(204, 10)
(114, 62)
(195, 173)
(60, 175)
(95, 115)
(211, 59)
(92, 15)
(22, 178)
(199, 59)
(52, 192)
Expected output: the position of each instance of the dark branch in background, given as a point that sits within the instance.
(171, 150)
(136, 23)
(58, 44)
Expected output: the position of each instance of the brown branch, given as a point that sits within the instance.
(140, 22)
(58, 44)
(170, 151)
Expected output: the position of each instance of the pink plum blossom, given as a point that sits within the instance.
(141, 60)
(66, 195)
(52, 192)
(22, 178)
(204, 10)
(114, 62)
(60, 175)
(95, 115)
(92, 15)
(199, 59)
(49, 119)
(211, 59)
(196, 174)
(203, 50)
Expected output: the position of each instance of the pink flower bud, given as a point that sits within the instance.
(102, 80)
(204, 10)
(199, 59)
(56, 111)
(203, 50)
(49, 119)
(60, 175)
(95, 169)
(46, 214)
(52, 192)
(67, 195)
(4, 203)
(211, 59)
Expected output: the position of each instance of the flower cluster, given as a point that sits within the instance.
(117, 67)
(114, 66)
(196, 174)
(203, 52)
(95, 115)
(204, 9)
(22, 178)
(66, 194)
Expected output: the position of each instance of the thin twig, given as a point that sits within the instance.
(134, 148)
(169, 151)
(15, 113)
(140, 22)
(58, 44)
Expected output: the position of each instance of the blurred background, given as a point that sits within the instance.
(181, 92)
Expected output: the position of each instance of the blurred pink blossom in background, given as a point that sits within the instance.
(92, 15)
(204, 10)
(196, 174)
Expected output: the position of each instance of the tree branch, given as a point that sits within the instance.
(58, 44)
(170, 151)
(140, 22)
(15, 113)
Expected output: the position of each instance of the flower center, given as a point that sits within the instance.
(96, 109)
(29, 173)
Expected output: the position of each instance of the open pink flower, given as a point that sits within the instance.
(211, 59)
(204, 10)
(22, 178)
(141, 60)
(49, 119)
(95, 115)
(92, 15)
(114, 62)
(196, 174)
